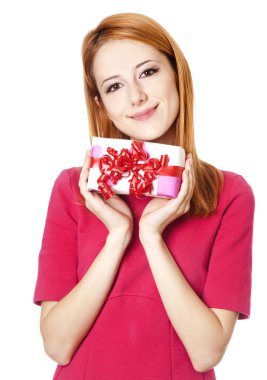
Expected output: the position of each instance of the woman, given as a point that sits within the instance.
(143, 288)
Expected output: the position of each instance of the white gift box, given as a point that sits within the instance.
(168, 178)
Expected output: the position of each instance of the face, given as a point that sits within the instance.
(137, 87)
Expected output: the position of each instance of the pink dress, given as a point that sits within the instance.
(132, 337)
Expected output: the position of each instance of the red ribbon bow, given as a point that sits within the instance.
(117, 165)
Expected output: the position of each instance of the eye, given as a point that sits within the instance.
(113, 87)
(148, 72)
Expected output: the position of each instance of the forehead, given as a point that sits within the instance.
(116, 56)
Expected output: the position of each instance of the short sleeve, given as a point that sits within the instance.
(229, 278)
(57, 262)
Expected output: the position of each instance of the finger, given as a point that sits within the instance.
(86, 165)
(191, 178)
(183, 189)
(173, 205)
(182, 201)
(84, 173)
(187, 194)
(191, 181)
(183, 193)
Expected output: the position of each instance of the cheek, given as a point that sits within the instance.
(164, 88)
(174, 107)
(114, 105)
(171, 95)
(174, 100)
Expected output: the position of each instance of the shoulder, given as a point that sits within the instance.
(68, 178)
(66, 185)
(237, 187)
(69, 175)
(236, 182)
(74, 176)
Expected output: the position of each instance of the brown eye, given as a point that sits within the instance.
(114, 87)
(148, 72)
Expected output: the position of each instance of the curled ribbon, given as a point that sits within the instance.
(113, 166)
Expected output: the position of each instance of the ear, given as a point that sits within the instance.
(101, 106)
(97, 101)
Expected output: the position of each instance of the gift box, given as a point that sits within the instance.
(135, 167)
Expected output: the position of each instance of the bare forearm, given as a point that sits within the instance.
(69, 321)
(197, 326)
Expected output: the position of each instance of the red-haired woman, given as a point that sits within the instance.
(143, 288)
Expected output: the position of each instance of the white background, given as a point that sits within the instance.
(44, 130)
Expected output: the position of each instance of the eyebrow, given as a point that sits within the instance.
(136, 67)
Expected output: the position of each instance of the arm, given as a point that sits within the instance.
(68, 322)
(204, 332)
(64, 324)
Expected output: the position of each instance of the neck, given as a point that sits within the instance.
(167, 138)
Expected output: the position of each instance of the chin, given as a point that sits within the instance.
(144, 138)
(150, 137)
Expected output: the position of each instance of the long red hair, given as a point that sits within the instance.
(138, 27)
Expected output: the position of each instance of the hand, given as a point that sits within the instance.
(113, 212)
(160, 212)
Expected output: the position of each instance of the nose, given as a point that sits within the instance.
(137, 94)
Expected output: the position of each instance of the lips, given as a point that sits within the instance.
(143, 115)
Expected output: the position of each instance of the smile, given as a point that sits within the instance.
(144, 115)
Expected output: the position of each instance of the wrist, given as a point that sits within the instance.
(148, 237)
(119, 237)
